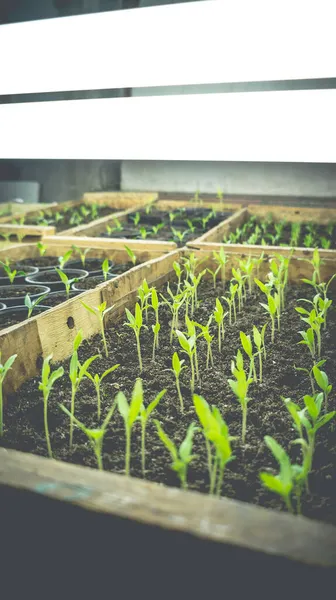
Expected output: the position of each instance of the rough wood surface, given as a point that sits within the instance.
(217, 205)
(217, 233)
(222, 520)
(294, 213)
(27, 230)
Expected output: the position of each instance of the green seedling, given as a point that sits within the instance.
(241, 292)
(259, 340)
(216, 432)
(247, 267)
(11, 274)
(30, 304)
(214, 276)
(94, 211)
(62, 260)
(156, 228)
(308, 339)
(322, 381)
(66, 281)
(173, 216)
(188, 346)
(156, 328)
(272, 309)
(118, 226)
(143, 233)
(135, 218)
(58, 217)
(97, 381)
(82, 253)
(220, 259)
(76, 374)
(178, 272)
(149, 208)
(130, 412)
(240, 388)
(179, 235)
(177, 369)
(95, 436)
(182, 456)
(295, 234)
(6, 236)
(325, 243)
(76, 218)
(100, 312)
(144, 293)
(205, 332)
(315, 320)
(105, 266)
(308, 240)
(135, 322)
(48, 380)
(131, 255)
(174, 306)
(4, 368)
(145, 413)
(309, 372)
(219, 316)
(41, 248)
(191, 226)
(315, 262)
(246, 342)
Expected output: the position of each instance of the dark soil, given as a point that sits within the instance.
(169, 230)
(91, 282)
(267, 414)
(40, 262)
(311, 235)
(53, 277)
(19, 291)
(68, 218)
(7, 320)
(57, 298)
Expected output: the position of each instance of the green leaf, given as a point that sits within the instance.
(325, 419)
(138, 316)
(55, 375)
(9, 362)
(311, 407)
(89, 308)
(84, 367)
(123, 405)
(246, 343)
(321, 378)
(108, 371)
(203, 412)
(257, 337)
(78, 339)
(273, 483)
(73, 367)
(184, 343)
(166, 441)
(185, 449)
(154, 403)
(262, 286)
(136, 402)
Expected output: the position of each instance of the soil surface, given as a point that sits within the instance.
(267, 414)
(8, 319)
(186, 225)
(19, 291)
(40, 262)
(72, 217)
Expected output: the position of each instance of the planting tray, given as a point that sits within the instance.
(213, 239)
(159, 214)
(230, 531)
(118, 202)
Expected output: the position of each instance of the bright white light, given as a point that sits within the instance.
(200, 42)
(263, 126)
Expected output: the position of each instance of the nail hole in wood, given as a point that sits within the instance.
(39, 362)
(70, 323)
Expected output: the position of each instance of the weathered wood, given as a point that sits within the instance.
(27, 230)
(15, 209)
(219, 206)
(294, 214)
(222, 520)
(222, 228)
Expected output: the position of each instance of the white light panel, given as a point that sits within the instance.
(216, 41)
(262, 126)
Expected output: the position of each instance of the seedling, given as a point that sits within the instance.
(143, 233)
(4, 368)
(118, 226)
(82, 253)
(310, 373)
(76, 374)
(288, 477)
(188, 346)
(48, 380)
(177, 369)
(11, 274)
(322, 381)
(240, 388)
(95, 436)
(259, 340)
(100, 312)
(182, 456)
(144, 293)
(131, 255)
(156, 228)
(135, 322)
(219, 194)
(214, 276)
(156, 328)
(191, 226)
(178, 271)
(219, 316)
(41, 248)
(215, 431)
(248, 347)
(205, 332)
(135, 218)
(97, 381)
(179, 235)
(221, 259)
(30, 304)
(66, 281)
(62, 260)
(272, 309)
(105, 268)
(130, 413)
(314, 319)
(145, 413)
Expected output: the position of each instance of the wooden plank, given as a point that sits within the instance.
(121, 199)
(217, 233)
(98, 225)
(152, 246)
(27, 230)
(294, 214)
(218, 205)
(222, 520)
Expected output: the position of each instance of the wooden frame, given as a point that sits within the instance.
(212, 240)
(227, 522)
(122, 201)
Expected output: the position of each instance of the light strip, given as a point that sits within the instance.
(216, 41)
(263, 126)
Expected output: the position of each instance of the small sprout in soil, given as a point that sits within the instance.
(215, 431)
(205, 332)
(11, 274)
(131, 255)
(220, 259)
(156, 228)
(66, 281)
(100, 312)
(41, 248)
(179, 235)
(314, 319)
(219, 194)
(105, 268)
(130, 412)
(30, 304)
(156, 328)
(246, 342)
(82, 253)
(48, 380)
(4, 368)
(219, 316)
(145, 413)
(97, 380)
(173, 215)
(272, 309)
(240, 388)
(259, 340)
(135, 322)
(241, 292)
(289, 477)
(177, 369)
(295, 234)
(325, 243)
(135, 218)
(191, 226)
(6, 236)
(178, 272)
(62, 260)
(310, 373)
(143, 233)
(144, 293)
(182, 456)
(188, 346)
(76, 374)
(95, 436)
(214, 276)
(149, 208)
(322, 381)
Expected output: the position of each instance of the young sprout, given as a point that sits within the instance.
(156, 328)
(214, 276)
(182, 456)
(105, 268)
(135, 322)
(215, 431)
(66, 281)
(48, 380)
(144, 293)
(246, 342)
(30, 304)
(314, 319)
(272, 309)
(145, 413)
(325, 243)
(41, 248)
(149, 208)
(82, 253)
(11, 274)
(4, 368)
(191, 226)
(143, 233)
(288, 477)
(188, 346)
(322, 381)
(179, 235)
(247, 267)
(64, 259)
(118, 226)
(130, 412)
(135, 218)
(131, 255)
(97, 380)
(178, 272)
(95, 436)
(178, 367)
(219, 316)
(240, 279)
(205, 332)
(100, 312)
(240, 388)
(259, 340)
(156, 228)
(310, 372)
(221, 259)
(76, 374)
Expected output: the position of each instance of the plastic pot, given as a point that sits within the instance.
(77, 287)
(2, 306)
(18, 312)
(11, 296)
(51, 278)
(92, 265)
(19, 279)
(52, 297)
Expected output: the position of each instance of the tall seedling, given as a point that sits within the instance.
(130, 412)
(240, 388)
(145, 413)
(100, 312)
(182, 456)
(135, 323)
(97, 381)
(4, 368)
(177, 369)
(48, 380)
